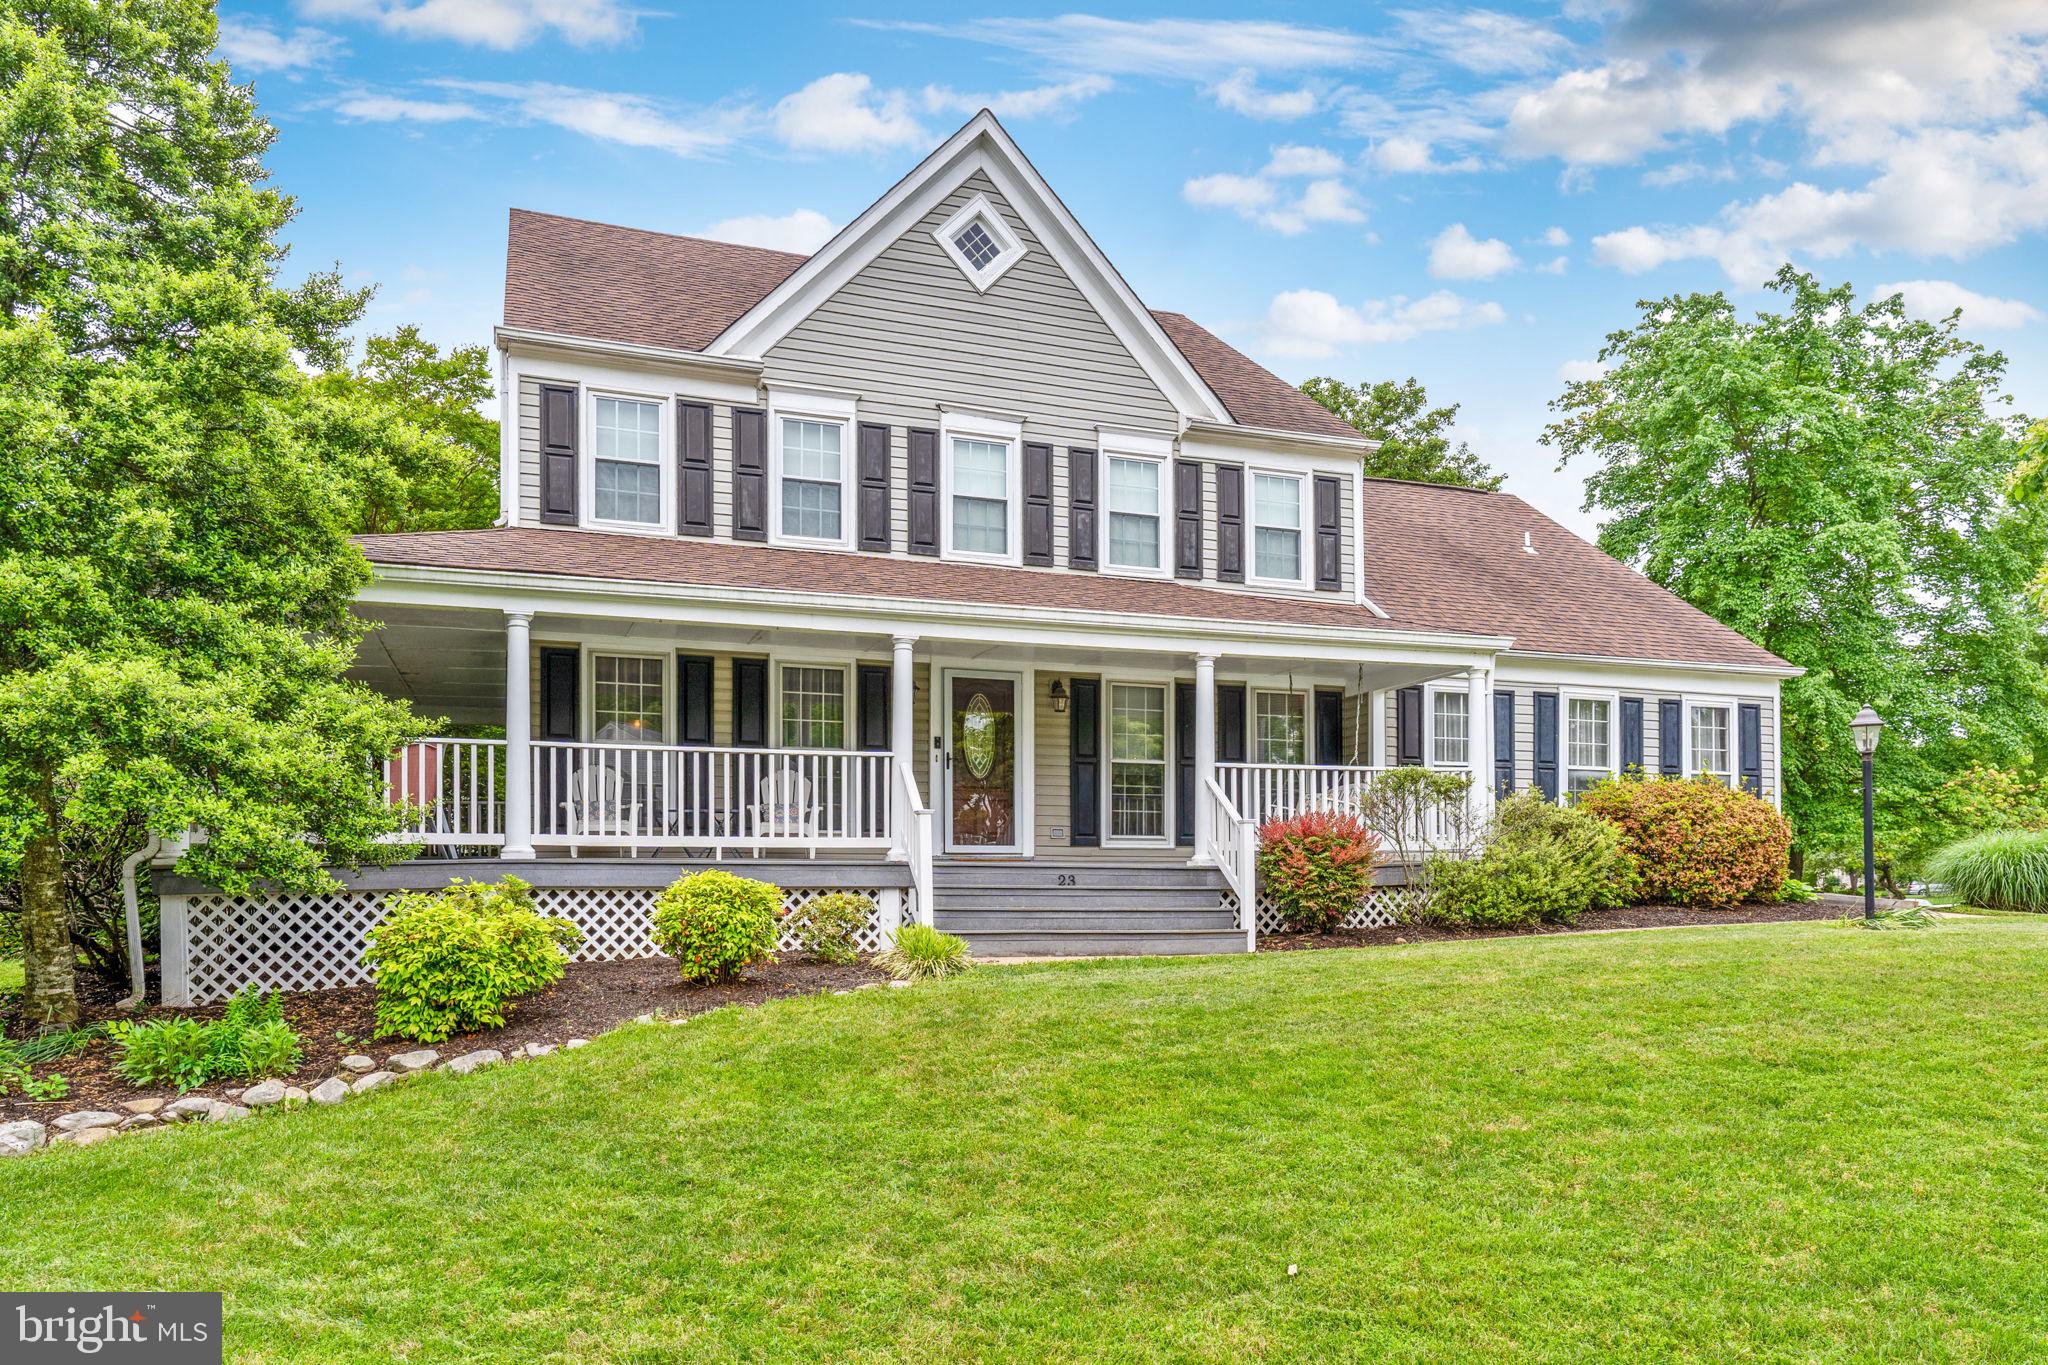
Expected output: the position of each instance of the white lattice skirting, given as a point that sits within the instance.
(1381, 907)
(213, 945)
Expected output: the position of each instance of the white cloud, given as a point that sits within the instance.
(1485, 41)
(843, 113)
(1288, 161)
(1936, 299)
(630, 120)
(804, 230)
(1240, 93)
(1311, 324)
(1555, 236)
(1455, 254)
(1578, 371)
(1262, 199)
(500, 24)
(1055, 101)
(1402, 154)
(369, 108)
(1556, 265)
(1197, 49)
(250, 45)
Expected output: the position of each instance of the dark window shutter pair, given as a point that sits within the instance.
(558, 454)
(1329, 533)
(924, 491)
(874, 487)
(749, 474)
(693, 468)
(1671, 738)
(1503, 744)
(1187, 519)
(1038, 504)
(750, 703)
(1230, 523)
(1329, 733)
(1080, 508)
(1546, 744)
(1230, 727)
(693, 698)
(1631, 734)
(1751, 739)
(1184, 764)
(1408, 736)
(1084, 762)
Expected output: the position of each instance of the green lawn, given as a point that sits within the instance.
(1769, 1143)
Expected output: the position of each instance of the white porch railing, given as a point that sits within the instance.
(452, 792)
(636, 796)
(1234, 848)
(1276, 791)
(917, 840)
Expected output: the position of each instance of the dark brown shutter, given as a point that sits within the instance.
(1329, 750)
(1670, 737)
(1631, 734)
(924, 491)
(1084, 762)
(1329, 533)
(693, 698)
(1184, 764)
(1080, 508)
(558, 454)
(874, 487)
(750, 703)
(1546, 743)
(1038, 504)
(871, 730)
(1503, 744)
(749, 474)
(693, 468)
(1187, 519)
(560, 676)
(1230, 730)
(1230, 523)
(1408, 727)
(1751, 731)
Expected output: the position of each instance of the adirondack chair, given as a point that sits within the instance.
(600, 803)
(783, 808)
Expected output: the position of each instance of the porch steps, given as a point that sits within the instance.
(1080, 908)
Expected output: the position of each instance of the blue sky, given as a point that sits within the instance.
(1473, 196)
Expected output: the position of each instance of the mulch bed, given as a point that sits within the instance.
(590, 998)
(1631, 917)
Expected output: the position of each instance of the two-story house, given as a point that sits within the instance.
(941, 561)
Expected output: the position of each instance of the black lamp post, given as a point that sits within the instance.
(1867, 726)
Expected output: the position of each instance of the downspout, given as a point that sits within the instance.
(130, 898)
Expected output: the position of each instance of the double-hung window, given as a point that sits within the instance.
(1588, 742)
(1137, 761)
(625, 461)
(813, 707)
(813, 479)
(625, 699)
(1279, 727)
(1277, 527)
(1137, 518)
(981, 497)
(1450, 729)
(1711, 740)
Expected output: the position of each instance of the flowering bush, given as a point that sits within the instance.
(1694, 841)
(1317, 867)
(715, 925)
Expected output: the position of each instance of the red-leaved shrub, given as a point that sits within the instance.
(1317, 867)
(1696, 842)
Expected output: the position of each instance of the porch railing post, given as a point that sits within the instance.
(518, 738)
(1205, 756)
(902, 738)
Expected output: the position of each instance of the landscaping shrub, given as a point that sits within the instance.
(1694, 841)
(453, 961)
(715, 925)
(831, 923)
(922, 952)
(2005, 869)
(1542, 864)
(1792, 891)
(175, 1052)
(250, 1041)
(1316, 867)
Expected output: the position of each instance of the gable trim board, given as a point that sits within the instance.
(980, 146)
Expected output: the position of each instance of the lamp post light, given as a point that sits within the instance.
(1866, 727)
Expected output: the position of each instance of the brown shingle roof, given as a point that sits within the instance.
(623, 284)
(1439, 560)
(584, 279)
(1255, 396)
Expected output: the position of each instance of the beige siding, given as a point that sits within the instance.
(1653, 737)
(529, 450)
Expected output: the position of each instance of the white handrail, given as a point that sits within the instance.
(449, 790)
(917, 841)
(1277, 791)
(1234, 848)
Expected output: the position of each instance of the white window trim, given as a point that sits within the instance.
(1252, 575)
(1430, 692)
(587, 722)
(1008, 432)
(812, 407)
(664, 461)
(837, 663)
(1168, 805)
(1734, 713)
(1565, 767)
(1162, 508)
(1010, 249)
(1308, 721)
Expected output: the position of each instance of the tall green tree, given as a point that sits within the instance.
(175, 569)
(428, 458)
(1415, 438)
(1830, 481)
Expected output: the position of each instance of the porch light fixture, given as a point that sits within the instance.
(1059, 696)
(1867, 726)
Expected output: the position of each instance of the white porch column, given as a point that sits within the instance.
(902, 737)
(1205, 753)
(1480, 681)
(1376, 742)
(518, 737)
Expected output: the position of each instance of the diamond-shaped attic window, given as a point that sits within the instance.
(980, 242)
(976, 245)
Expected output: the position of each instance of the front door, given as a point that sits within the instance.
(981, 763)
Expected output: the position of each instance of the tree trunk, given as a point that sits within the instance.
(49, 963)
